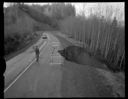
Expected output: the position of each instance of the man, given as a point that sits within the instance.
(37, 52)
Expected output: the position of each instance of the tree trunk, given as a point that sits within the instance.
(97, 42)
(123, 56)
(108, 43)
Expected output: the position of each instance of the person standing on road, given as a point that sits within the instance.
(37, 52)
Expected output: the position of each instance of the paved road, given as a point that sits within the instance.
(53, 76)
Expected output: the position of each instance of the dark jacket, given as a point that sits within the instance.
(37, 50)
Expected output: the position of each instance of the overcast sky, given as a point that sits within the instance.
(80, 5)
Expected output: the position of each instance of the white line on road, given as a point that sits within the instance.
(21, 73)
(19, 76)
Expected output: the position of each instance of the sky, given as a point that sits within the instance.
(87, 6)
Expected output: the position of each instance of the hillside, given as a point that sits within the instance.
(17, 21)
(24, 18)
(39, 16)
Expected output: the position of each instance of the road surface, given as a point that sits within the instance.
(53, 76)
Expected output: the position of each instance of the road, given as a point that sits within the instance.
(53, 76)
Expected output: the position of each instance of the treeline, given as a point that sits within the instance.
(104, 39)
(56, 10)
